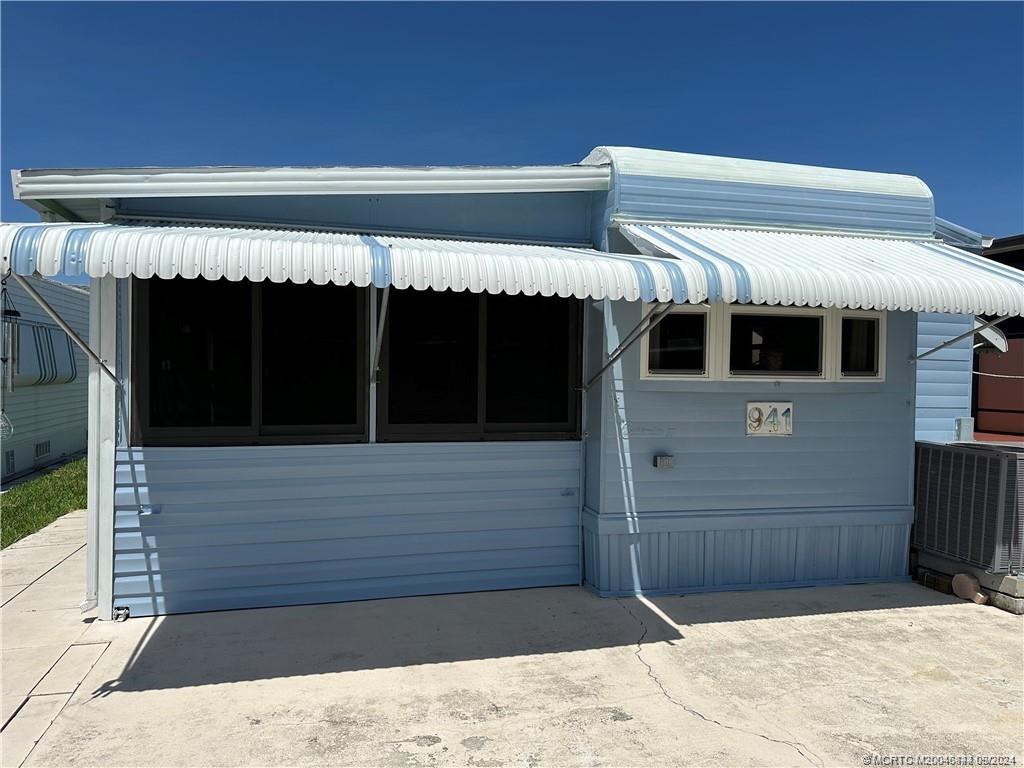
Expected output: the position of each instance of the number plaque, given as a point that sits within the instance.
(769, 419)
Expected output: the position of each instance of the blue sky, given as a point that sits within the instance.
(935, 90)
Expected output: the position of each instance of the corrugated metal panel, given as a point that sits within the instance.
(55, 413)
(944, 378)
(796, 548)
(214, 528)
(325, 257)
(678, 187)
(789, 268)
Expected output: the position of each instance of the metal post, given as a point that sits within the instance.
(961, 337)
(381, 320)
(64, 326)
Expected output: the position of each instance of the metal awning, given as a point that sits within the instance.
(97, 250)
(831, 270)
(679, 264)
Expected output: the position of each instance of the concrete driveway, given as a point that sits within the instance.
(827, 676)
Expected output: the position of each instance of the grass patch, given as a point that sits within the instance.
(35, 504)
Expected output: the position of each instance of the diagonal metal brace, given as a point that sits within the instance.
(647, 324)
(961, 337)
(79, 342)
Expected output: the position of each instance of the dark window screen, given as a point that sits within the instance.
(310, 355)
(432, 357)
(200, 361)
(860, 346)
(529, 354)
(677, 344)
(775, 344)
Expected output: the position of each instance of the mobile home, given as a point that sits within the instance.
(43, 394)
(645, 372)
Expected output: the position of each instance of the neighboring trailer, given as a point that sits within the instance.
(48, 419)
(999, 381)
(648, 373)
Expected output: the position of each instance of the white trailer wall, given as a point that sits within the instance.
(49, 420)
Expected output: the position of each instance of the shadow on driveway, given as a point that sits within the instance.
(260, 644)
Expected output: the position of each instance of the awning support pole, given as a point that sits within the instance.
(381, 319)
(647, 324)
(64, 326)
(954, 340)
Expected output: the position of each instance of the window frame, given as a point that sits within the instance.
(481, 430)
(718, 330)
(824, 357)
(710, 363)
(255, 433)
(862, 314)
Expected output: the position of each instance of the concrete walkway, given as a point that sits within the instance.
(44, 653)
(829, 676)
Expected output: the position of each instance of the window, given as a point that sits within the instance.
(531, 342)
(678, 345)
(464, 366)
(775, 345)
(728, 341)
(860, 342)
(310, 355)
(221, 362)
(432, 360)
(200, 353)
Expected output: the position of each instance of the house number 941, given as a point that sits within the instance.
(769, 419)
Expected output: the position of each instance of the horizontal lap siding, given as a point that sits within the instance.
(829, 504)
(212, 528)
(852, 442)
(943, 379)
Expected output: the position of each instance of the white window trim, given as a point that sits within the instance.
(827, 370)
(718, 325)
(709, 357)
(837, 346)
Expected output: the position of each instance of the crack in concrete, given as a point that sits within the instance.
(799, 747)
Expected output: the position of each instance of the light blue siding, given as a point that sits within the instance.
(563, 217)
(830, 504)
(699, 553)
(212, 528)
(943, 379)
(720, 202)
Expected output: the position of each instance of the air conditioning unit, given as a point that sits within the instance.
(969, 504)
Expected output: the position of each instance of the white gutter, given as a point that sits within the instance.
(234, 181)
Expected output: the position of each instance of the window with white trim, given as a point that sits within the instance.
(677, 346)
(860, 338)
(759, 342)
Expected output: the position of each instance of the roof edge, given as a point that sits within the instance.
(69, 183)
(669, 164)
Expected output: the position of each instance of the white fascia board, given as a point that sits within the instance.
(45, 184)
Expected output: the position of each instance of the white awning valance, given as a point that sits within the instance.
(329, 257)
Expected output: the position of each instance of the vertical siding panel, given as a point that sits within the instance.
(943, 379)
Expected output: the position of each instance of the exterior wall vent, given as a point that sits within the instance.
(9, 462)
(41, 450)
(969, 504)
